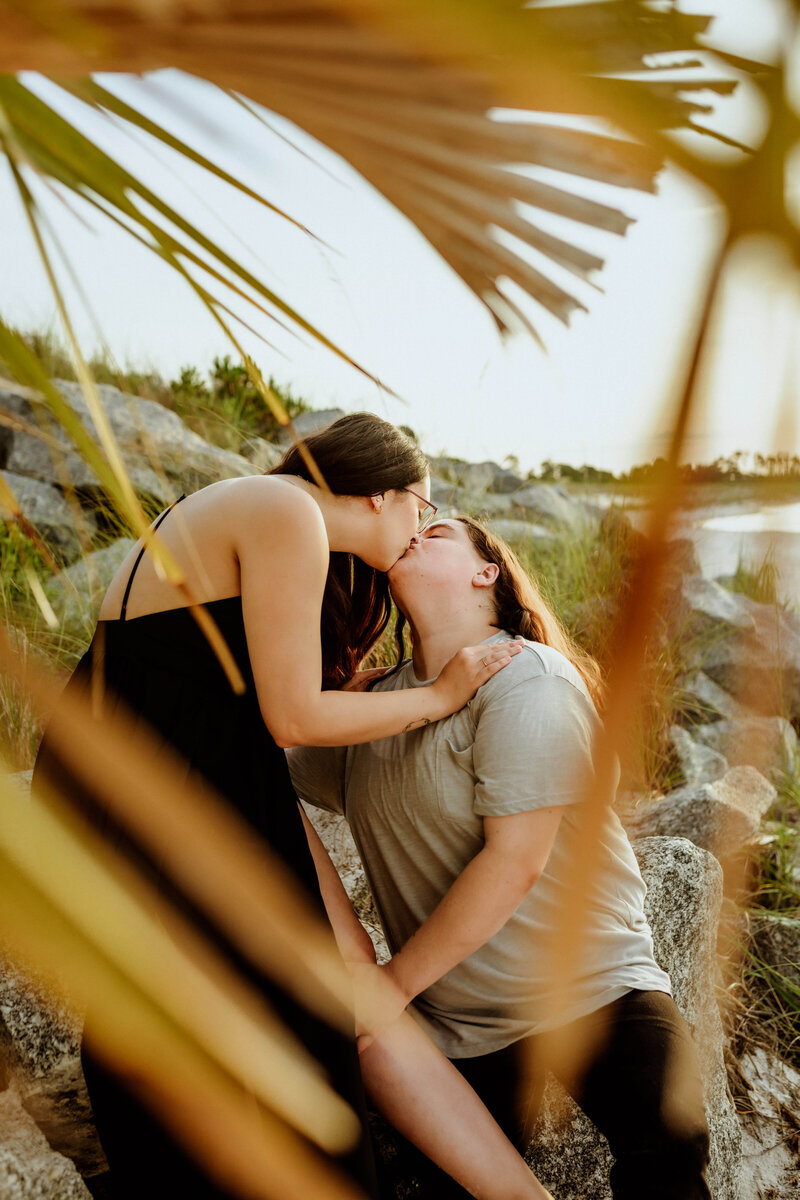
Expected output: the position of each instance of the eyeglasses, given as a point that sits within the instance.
(426, 514)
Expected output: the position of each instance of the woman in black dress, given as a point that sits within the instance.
(275, 559)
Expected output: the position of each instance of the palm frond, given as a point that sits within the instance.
(404, 91)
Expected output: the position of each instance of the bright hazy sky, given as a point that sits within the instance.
(603, 394)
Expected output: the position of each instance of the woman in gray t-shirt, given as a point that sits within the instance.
(467, 828)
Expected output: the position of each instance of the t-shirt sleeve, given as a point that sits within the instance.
(318, 775)
(533, 747)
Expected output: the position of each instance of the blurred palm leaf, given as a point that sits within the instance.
(403, 91)
(168, 1011)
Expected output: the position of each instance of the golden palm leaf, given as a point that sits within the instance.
(405, 91)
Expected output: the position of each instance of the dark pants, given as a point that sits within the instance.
(640, 1086)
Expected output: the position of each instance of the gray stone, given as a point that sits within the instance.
(767, 743)
(487, 506)
(335, 835)
(261, 454)
(44, 506)
(714, 607)
(761, 661)
(770, 1168)
(478, 477)
(710, 700)
(519, 533)
(506, 481)
(40, 1036)
(444, 493)
(698, 762)
(76, 595)
(306, 423)
(474, 478)
(684, 895)
(160, 453)
(720, 816)
(542, 502)
(29, 1168)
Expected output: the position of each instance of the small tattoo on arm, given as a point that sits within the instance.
(419, 724)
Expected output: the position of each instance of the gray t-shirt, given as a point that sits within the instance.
(415, 804)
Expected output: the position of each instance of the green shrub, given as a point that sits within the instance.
(228, 409)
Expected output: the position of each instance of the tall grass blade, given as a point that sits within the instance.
(207, 850)
(135, 930)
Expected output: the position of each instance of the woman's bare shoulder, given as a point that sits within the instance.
(270, 495)
(261, 505)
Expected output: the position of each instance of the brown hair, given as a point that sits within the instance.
(521, 608)
(359, 455)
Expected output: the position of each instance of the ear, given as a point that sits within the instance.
(376, 502)
(487, 576)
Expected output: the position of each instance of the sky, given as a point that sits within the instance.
(603, 393)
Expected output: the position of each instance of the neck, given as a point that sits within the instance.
(437, 638)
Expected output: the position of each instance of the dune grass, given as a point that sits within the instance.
(758, 581)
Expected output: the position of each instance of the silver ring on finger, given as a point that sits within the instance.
(485, 663)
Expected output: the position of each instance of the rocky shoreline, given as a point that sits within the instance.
(737, 741)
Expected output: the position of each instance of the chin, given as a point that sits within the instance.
(398, 566)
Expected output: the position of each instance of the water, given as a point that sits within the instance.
(723, 537)
(721, 541)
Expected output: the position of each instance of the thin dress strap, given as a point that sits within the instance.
(124, 609)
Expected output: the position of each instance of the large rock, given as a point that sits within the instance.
(444, 493)
(698, 762)
(306, 423)
(44, 506)
(453, 500)
(40, 1038)
(29, 1168)
(684, 895)
(707, 701)
(760, 660)
(161, 455)
(720, 816)
(77, 593)
(770, 1165)
(476, 478)
(767, 743)
(519, 533)
(261, 454)
(714, 608)
(550, 505)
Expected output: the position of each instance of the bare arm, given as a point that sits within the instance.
(283, 557)
(489, 889)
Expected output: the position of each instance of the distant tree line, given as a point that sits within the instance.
(740, 466)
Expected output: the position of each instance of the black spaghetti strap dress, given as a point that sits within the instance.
(163, 669)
